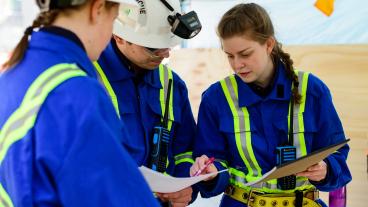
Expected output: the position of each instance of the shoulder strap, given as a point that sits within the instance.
(166, 74)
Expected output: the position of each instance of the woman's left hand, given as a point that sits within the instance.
(315, 172)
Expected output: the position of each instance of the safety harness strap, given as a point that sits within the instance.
(165, 75)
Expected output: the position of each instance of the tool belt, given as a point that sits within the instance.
(254, 198)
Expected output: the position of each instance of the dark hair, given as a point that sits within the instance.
(253, 21)
(43, 19)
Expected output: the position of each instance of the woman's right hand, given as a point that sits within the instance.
(200, 164)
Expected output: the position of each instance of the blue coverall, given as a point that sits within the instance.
(140, 109)
(73, 155)
(269, 128)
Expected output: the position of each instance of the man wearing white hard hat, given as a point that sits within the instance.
(150, 99)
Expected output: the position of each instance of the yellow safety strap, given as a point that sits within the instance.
(23, 119)
(106, 84)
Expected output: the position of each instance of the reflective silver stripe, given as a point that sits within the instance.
(222, 162)
(42, 86)
(21, 120)
(299, 182)
(18, 124)
(296, 127)
(183, 156)
(241, 126)
(298, 135)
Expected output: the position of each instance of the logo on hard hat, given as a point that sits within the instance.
(142, 7)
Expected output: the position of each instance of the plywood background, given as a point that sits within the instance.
(344, 68)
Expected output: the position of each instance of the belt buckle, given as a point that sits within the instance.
(230, 190)
(315, 194)
(251, 197)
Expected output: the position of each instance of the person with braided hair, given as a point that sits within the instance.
(61, 142)
(265, 107)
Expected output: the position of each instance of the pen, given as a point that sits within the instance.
(210, 161)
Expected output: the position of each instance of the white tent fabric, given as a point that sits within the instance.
(296, 22)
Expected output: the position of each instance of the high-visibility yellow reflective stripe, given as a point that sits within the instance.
(298, 128)
(165, 75)
(42, 79)
(248, 138)
(31, 92)
(5, 200)
(242, 127)
(303, 93)
(184, 157)
(26, 115)
(107, 86)
(224, 163)
(36, 87)
(23, 119)
(238, 178)
(236, 122)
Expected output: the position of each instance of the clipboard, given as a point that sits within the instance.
(299, 164)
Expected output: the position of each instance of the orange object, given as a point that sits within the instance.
(325, 6)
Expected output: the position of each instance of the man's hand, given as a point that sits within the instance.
(177, 199)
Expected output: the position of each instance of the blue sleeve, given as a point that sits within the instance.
(330, 131)
(84, 158)
(184, 134)
(209, 141)
(184, 137)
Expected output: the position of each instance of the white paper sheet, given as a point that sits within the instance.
(161, 183)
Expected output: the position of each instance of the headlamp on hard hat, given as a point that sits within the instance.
(185, 26)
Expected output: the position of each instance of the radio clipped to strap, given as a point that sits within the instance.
(161, 139)
(287, 153)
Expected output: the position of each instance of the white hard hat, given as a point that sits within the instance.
(146, 23)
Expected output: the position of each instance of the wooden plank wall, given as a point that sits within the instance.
(344, 68)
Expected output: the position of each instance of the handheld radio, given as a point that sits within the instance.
(287, 153)
(161, 139)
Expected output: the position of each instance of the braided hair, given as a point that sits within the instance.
(45, 18)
